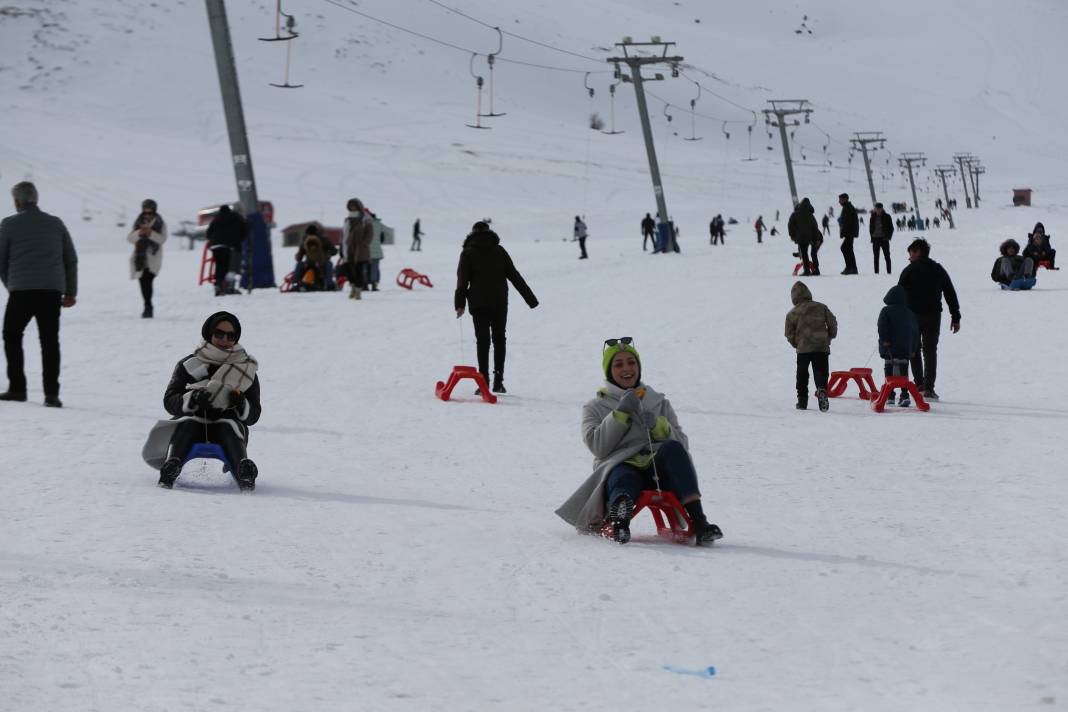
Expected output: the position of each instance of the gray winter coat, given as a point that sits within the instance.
(36, 252)
(611, 443)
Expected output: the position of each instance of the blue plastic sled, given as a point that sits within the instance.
(209, 451)
(1023, 283)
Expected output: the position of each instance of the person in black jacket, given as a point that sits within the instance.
(1012, 270)
(926, 282)
(805, 231)
(226, 235)
(899, 337)
(881, 229)
(848, 229)
(1039, 248)
(648, 231)
(213, 396)
(482, 278)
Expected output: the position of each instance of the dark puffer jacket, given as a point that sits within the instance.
(848, 222)
(810, 326)
(886, 222)
(802, 226)
(227, 229)
(483, 274)
(899, 331)
(925, 282)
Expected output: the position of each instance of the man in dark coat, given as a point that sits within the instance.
(805, 231)
(848, 229)
(39, 267)
(1039, 248)
(482, 278)
(648, 231)
(881, 229)
(226, 235)
(926, 282)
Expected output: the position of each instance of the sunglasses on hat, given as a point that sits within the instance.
(625, 340)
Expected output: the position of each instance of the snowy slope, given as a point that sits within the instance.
(401, 553)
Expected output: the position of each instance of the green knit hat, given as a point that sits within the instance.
(610, 353)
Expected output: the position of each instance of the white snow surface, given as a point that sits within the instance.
(401, 552)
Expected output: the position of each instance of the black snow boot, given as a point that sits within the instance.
(246, 475)
(498, 382)
(821, 398)
(704, 530)
(802, 402)
(147, 313)
(619, 515)
(169, 472)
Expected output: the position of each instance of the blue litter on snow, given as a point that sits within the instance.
(707, 673)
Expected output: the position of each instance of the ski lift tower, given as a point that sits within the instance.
(636, 62)
(259, 266)
(781, 108)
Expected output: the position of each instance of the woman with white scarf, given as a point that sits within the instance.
(214, 395)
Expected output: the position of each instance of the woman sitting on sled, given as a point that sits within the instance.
(637, 444)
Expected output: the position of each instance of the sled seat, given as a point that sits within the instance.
(1048, 264)
(839, 380)
(209, 451)
(892, 382)
(670, 516)
(443, 390)
(409, 277)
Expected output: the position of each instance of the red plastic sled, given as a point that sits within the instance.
(670, 516)
(409, 277)
(892, 382)
(798, 267)
(444, 388)
(839, 380)
(207, 266)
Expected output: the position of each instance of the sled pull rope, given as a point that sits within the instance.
(649, 437)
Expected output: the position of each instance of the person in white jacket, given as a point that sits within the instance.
(637, 444)
(147, 237)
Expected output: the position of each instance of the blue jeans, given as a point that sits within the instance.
(673, 465)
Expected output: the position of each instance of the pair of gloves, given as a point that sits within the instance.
(202, 398)
(631, 404)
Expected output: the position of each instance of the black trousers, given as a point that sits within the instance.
(646, 236)
(925, 362)
(819, 361)
(146, 286)
(582, 246)
(847, 253)
(883, 245)
(490, 326)
(43, 305)
(222, 266)
(190, 432)
(811, 263)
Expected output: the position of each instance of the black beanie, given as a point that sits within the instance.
(215, 319)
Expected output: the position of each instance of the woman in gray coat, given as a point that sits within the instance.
(636, 440)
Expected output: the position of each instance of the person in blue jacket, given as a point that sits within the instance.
(899, 338)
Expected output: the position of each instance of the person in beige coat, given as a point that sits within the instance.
(147, 237)
(810, 327)
(637, 444)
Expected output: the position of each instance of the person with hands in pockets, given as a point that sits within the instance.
(637, 444)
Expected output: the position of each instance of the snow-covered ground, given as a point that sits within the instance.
(401, 552)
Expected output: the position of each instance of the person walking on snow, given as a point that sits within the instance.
(849, 228)
(805, 231)
(810, 328)
(147, 237)
(580, 235)
(226, 236)
(417, 238)
(926, 282)
(39, 268)
(357, 235)
(648, 231)
(637, 444)
(881, 229)
(759, 227)
(213, 396)
(482, 277)
(899, 338)
(826, 223)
